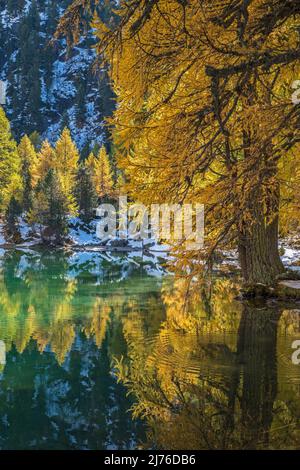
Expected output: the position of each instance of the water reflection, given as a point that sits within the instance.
(211, 379)
(203, 371)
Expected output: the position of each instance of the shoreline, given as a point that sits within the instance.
(81, 248)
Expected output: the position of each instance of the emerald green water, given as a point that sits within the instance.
(101, 353)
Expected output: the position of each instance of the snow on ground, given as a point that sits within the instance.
(2, 238)
(146, 253)
(290, 256)
(28, 232)
(83, 234)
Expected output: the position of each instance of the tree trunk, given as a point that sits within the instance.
(258, 237)
(258, 249)
(257, 352)
(272, 238)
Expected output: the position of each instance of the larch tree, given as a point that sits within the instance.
(46, 159)
(66, 164)
(205, 112)
(101, 173)
(289, 175)
(10, 181)
(120, 186)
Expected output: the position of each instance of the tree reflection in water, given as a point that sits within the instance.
(212, 383)
(203, 370)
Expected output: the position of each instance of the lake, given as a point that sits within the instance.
(103, 352)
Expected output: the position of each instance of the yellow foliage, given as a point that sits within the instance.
(101, 173)
(46, 159)
(205, 114)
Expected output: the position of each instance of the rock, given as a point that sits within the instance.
(284, 290)
(288, 290)
(250, 291)
(51, 237)
(118, 243)
(296, 263)
(289, 275)
(16, 238)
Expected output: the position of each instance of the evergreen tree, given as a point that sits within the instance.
(36, 140)
(15, 6)
(11, 227)
(29, 168)
(86, 195)
(27, 115)
(81, 102)
(34, 66)
(9, 163)
(52, 14)
(50, 208)
(96, 148)
(50, 52)
(101, 173)
(65, 121)
(85, 152)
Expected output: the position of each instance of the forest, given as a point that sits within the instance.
(208, 115)
(203, 114)
(140, 343)
(48, 184)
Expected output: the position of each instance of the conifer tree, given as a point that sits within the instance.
(101, 173)
(36, 140)
(81, 102)
(85, 151)
(9, 163)
(64, 122)
(96, 148)
(29, 167)
(86, 195)
(50, 208)
(46, 159)
(120, 183)
(66, 164)
(11, 227)
(27, 116)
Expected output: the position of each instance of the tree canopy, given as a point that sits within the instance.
(205, 111)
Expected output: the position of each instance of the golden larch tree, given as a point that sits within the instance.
(66, 165)
(101, 173)
(29, 170)
(205, 113)
(46, 159)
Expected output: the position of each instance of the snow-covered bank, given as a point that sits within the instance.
(83, 244)
(82, 237)
(289, 249)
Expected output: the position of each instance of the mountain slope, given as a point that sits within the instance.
(47, 86)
